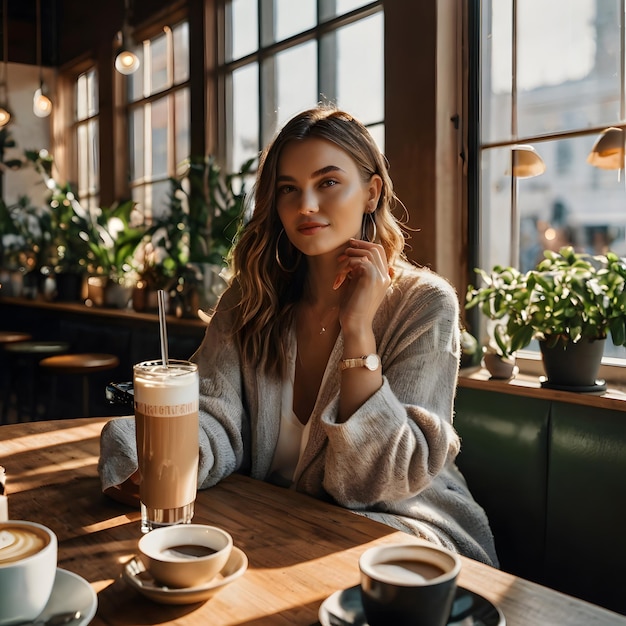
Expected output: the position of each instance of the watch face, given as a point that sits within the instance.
(372, 361)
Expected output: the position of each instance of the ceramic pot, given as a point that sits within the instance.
(498, 366)
(571, 364)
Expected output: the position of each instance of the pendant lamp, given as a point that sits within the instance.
(608, 150)
(5, 112)
(42, 105)
(526, 161)
(126, 61)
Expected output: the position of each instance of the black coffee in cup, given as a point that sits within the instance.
(408, 584)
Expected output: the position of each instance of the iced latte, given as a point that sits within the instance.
(166, 417)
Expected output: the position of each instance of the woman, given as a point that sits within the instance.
(330, 364)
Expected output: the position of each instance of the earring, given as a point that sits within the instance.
(277, 254)
(368, 218)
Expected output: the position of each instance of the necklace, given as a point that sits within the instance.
(326, 319)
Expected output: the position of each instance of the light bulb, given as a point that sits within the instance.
(5, 117)
(127, 62)
(42, 105)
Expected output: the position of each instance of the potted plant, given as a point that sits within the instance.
(67, 255)
(189, 243)
(113, 239)
(24, 244)
(570, 302)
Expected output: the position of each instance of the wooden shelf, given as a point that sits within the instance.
(530, 386)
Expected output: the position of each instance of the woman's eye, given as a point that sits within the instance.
(285, 189)
(329, 183)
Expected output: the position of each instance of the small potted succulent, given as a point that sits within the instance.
(570, 302)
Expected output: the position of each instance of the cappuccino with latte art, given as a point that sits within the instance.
(28, 565)
(20, 542)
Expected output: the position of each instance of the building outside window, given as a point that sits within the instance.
(552, 77)
(86, 138)
(278, 61)
(158, 117)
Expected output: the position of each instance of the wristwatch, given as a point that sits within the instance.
(370, 361)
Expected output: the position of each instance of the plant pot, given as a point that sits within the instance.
(69, 287)
(498, 366)
(573, 365)
(116, 296)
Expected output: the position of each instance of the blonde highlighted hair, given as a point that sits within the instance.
(269, 290)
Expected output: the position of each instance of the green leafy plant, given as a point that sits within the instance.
(25, 235)
(68, 248)
(112, 241)
(568, 296)
(206, 209)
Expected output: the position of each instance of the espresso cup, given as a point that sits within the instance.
(185, 555)
(28, 565)
(408, 584)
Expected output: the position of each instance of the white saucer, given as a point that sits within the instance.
(135, 574)
(71, 592)
(469, 609)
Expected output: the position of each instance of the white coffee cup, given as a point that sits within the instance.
(185, 555)
(28, 565)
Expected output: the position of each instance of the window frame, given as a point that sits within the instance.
(529, 362)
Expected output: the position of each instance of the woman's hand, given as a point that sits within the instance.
(126, 492)
(364, 274)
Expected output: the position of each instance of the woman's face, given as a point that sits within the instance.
(320, 196)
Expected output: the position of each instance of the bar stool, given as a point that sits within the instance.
(82, 364)
(6, 337)
(23, 357)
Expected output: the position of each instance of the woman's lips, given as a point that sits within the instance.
(310, 228)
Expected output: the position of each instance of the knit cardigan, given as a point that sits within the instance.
(392, 460)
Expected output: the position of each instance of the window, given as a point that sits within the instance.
(158, 117)
(279, 61)
(552, 77)
(86, 137)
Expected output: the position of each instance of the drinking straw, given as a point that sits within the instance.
(4, 503)
(162, 328)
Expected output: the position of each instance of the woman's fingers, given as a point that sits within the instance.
(363, 259)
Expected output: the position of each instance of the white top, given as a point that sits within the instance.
(293, 434)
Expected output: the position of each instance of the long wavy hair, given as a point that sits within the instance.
(269, 290)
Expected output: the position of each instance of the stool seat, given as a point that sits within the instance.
(80, 363)
(37, 348)
(7, 336)
(22, 358)
(83, 364)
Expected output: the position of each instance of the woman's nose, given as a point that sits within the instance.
(308, 201)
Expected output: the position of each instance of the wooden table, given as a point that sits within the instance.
(300, 550)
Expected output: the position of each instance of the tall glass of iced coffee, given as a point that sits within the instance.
(166, 417)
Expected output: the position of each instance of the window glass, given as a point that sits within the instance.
(159, 117)
(181, 102)
(296, 80)
(86, 139)
(135, 82)
(158, 123)
(289, 22)
(181, 52)
(136, 131)
(245, 144)
(332, 8)
(159, 76)
(338, 62)
(561, 53)
(360, 69)
(242, 36)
